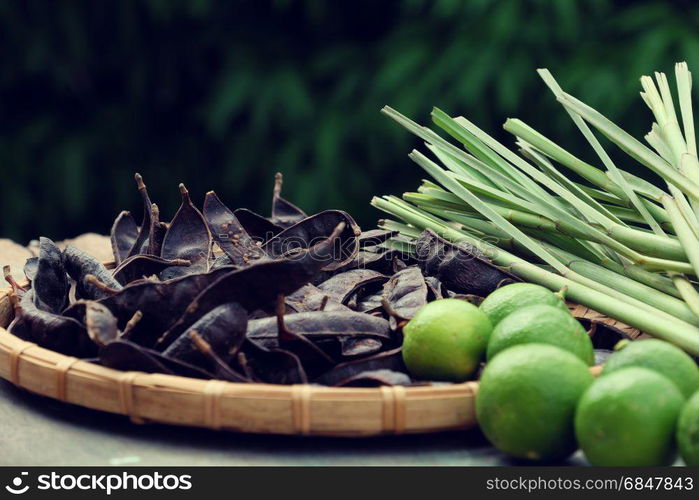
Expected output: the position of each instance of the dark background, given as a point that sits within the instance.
(221, 94)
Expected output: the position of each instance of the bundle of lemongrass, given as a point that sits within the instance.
(615, 243)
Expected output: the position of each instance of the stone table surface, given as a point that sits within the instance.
(41, 431)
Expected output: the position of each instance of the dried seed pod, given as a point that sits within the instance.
(222, 260)
(140, 266)
(387, 360)
(219, 367)
(381, 261)
(79, 266)
(101, 324)
(187, 238)
(321, 325)
(273, 366)
(284, 213)
(52, 331)
(50, 283)
(603, 336)
(461, 268)
(315, 228)
(99, 321)
(434, 288)
(257, 285)
(31, 267)
(141, 243)
(340, 333)
(257, 226)
(123, 236)
(310, 298)
(127, 356)
(156, 233)
(343, 285)
(352, 347)
(148, 297)
(370, 303)
(223, 328)
(373, 237)
(314, 360)
(406, 292)
(228, 233)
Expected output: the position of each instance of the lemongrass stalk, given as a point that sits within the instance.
(492, 195)
(646, 319)
(405, 247)
(448, 210)
(610, 190)
(448, 181)
(462, 167)
(643, 187)
(614, 172)
(525, 220)
(430, 137)
(684, 232)
(668, 133)
(684, 90)
(631, 146)
(421, 199)
(689, 293)
(652, 244)
(550, 205)
(543, 163)
(633, 217)
(486, 227)
(654, 280)
(604, 196)
(477, 149)
(526, 191)
(662, 107)
(401, 208)
(646, 243)
(453, 128)
(643, 242)
(630, 215)
(655, 139)
(671, 305)
(588, 172)
(407, 212)
(391, 225)
(582, 249)
(524, 166)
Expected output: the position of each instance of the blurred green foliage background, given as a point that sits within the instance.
(221, 94)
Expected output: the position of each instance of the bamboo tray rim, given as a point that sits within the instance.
(245, 407)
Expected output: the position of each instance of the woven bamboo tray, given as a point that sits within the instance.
(252, 408)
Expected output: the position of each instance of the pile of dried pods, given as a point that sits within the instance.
(236, 296)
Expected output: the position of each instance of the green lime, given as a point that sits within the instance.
(446, 340)
(627, 418)
(659, 356)
(526, 401)
(509, 298)
(544, 324)
(688, 431)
